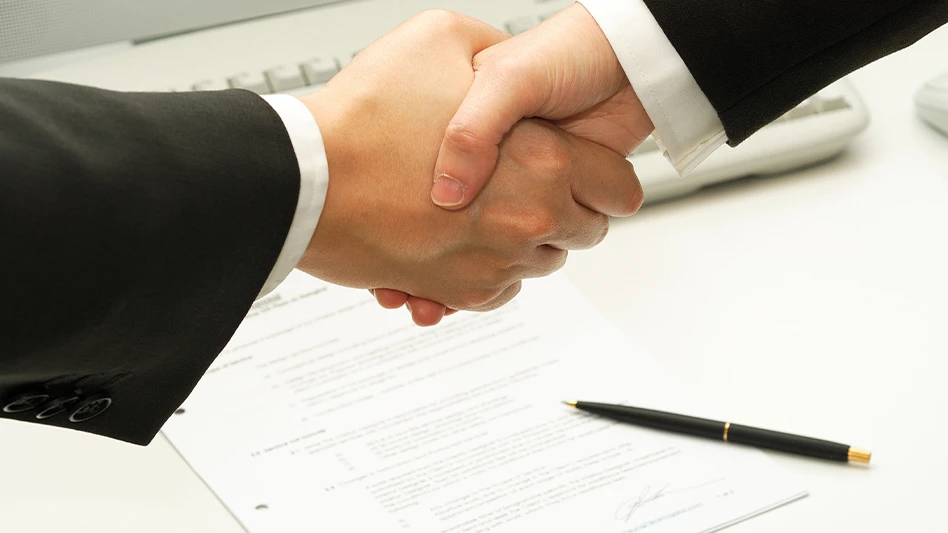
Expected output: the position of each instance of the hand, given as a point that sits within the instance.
(382, 120)
(564, 70)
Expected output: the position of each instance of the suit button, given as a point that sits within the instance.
(90, 408)
(59, 405)
(27, 401)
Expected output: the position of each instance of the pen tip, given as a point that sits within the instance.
(571, 403)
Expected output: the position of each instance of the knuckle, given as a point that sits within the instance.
(509, 294)
(479, 299)
(558, 162)
(502, 297)
(603, 230)
(552, 260)
(443, 20)
(559, 261)
(453, 21)
(552, 157)
(465, 138)
(631, 201)
(535, 225)
(432, 15)
(496, 277)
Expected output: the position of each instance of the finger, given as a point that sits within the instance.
(390, 299)
(502, 299)
(577, 228)
(545, 261)
(499, 97)
(449, 312)
(425, 312)
(605, 182)
(562, 67)
(554, 160)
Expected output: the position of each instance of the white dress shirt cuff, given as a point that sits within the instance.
(687, 127)
(314, 182)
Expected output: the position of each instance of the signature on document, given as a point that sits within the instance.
(649, 494)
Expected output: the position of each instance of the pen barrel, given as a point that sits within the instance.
(675, 423)
(785, 442)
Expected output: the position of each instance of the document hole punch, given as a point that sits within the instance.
(262, 507)
(180, 411)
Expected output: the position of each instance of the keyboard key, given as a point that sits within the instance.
(522, 24)
(320, 70)
(285, 77)
(210, 85)
(252, 81)
(806, 108)
(831, 98)
(302, 91)
(833, 104)
(941, 82)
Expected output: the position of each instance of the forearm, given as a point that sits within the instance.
(754, 62)
(137, 230)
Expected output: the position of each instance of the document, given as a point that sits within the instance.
(326, 413)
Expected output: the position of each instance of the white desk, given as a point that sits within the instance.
(815, 302)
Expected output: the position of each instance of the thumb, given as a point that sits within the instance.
(499, 98)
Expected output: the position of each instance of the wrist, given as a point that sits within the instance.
(598, 51)
(344, 234)
(326, 111)
(622, 102)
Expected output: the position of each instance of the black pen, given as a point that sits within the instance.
(726, 431)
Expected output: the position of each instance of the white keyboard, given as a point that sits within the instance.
(298, 53)
(814, 131)
(931, 101)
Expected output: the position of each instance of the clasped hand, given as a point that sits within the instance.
(507, 195)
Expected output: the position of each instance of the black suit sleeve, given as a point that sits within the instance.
(136, 230)
(757, 59)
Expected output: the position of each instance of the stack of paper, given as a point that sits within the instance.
(328, 414)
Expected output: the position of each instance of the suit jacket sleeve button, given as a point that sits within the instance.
(27, 401)
(59, 405)
(90, 408)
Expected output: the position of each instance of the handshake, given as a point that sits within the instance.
(463, 161)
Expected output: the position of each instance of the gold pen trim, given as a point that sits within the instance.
(727, 426)
(859, 456)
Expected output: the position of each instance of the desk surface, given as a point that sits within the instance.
(815, 302)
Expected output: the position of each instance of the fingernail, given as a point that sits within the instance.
(408, 305)
(447, 191)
